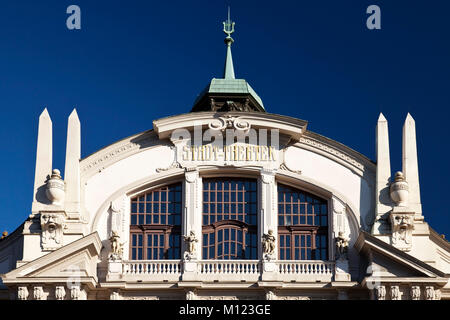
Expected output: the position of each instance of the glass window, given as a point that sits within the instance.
(229, 219)
(302, 225)
(155, 229)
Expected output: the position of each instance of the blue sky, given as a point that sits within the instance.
(136, 61)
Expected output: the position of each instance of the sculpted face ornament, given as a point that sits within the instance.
(52, 231)
(402, 226)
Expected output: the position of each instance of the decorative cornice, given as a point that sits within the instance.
(335, 149)
(117, 151)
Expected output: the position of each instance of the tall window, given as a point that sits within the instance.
(230, 219)
(155, 230)
(302, 225)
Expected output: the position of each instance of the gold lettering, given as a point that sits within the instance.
(271, 153)
(194, 152)
(263, 153)
(248, 154)
(215, 150)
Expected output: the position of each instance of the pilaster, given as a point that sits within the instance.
(268, 222)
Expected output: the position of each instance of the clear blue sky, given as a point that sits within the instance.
(136, 61)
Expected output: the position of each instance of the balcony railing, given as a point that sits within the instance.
(229, 270)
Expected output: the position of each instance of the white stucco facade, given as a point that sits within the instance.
(73, 255)
(370, 240)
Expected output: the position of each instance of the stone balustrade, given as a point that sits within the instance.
(230, 270)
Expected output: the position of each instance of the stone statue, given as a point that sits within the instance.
(268, 243)
(341, 246)
(190, 243)
(116, 246)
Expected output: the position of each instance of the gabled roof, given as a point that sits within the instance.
(77, 259)
(369, 244)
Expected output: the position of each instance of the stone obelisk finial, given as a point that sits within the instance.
(43, 158)
(382, 199)
(410, 164)
(72, 170)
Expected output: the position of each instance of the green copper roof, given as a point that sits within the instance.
(231, 86)
(238, 89)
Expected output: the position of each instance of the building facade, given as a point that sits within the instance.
(227, 201)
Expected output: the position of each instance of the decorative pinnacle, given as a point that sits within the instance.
(228, 29)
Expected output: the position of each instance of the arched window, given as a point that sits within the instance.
(230, 219)
(302, 225)
(155, 230)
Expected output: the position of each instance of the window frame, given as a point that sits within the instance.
(214, 227)
(304, 229)
(167, 230)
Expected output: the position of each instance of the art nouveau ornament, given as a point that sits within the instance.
(270, 295)
(55, 188)
(415, 293)
(22, 293)
(395, 293)
(52, 225)
(114, 296)
(190, 295)
(60, 293)
(402, 226)
(229, 122)
(75, 292)
(399, 190)
(380, 292)
(429, 293)
(38, 293)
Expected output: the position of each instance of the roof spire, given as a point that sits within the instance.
(228, 28)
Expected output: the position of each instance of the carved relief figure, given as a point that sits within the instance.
(60, 293)
(75, 292)
(429, 293)
(190, 244)
(270, 295)
(268, 243)
(114, 296)
(52, 231)
(380, 292)
(341, 246)
(190, 295)
(415, 293)
(38, 293)
(22, 293)
(395, 293)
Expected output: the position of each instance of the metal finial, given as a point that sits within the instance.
(228, 25)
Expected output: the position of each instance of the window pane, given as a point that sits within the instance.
(300, 208)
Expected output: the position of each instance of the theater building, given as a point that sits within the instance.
(227, 201)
